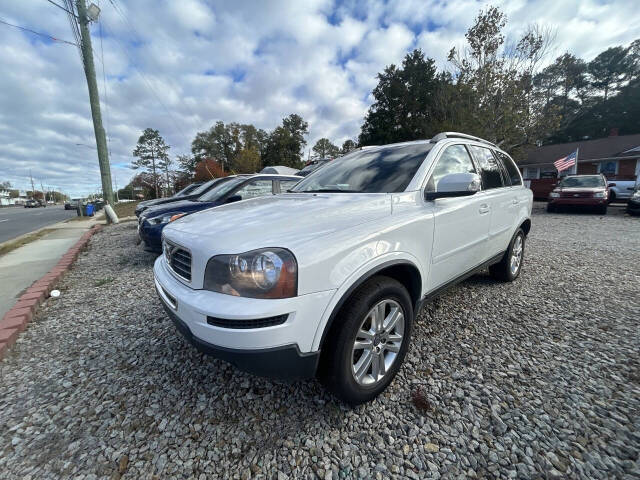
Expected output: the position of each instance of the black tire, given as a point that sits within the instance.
(338, 351)
(551, 208)
(502, 270)
(602, 210)
(612, 196)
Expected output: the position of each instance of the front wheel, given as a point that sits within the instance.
(368, 341)
(551, 208)
(508, 269)
(602, 209)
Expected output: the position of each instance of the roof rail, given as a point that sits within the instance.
(443, 135)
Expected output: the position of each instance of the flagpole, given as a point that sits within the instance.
(577, 152)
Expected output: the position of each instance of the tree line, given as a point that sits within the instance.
(500, 91)
(491, 88)
(221, 150)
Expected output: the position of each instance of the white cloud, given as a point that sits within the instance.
(243, 61)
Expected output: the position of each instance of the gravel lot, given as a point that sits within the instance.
(535, 379)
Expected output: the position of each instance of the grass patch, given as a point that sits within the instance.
(125, 209)
(103, 281)
(11, 245)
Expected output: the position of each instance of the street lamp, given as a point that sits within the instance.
(93, 11)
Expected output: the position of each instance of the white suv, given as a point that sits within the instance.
(328, 278)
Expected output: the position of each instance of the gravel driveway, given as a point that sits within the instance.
(535, 379)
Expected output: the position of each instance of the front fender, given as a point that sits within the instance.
(355, 279)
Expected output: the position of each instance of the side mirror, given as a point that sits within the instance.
(233, 198)
(455, 185)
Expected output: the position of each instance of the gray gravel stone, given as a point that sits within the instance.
(539, 378)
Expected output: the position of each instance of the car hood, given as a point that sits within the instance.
(176, 206)
(162, 201)
(277, 221)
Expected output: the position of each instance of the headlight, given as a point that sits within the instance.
(263, 273)
(162, 218)
(636, 194)
(554, 194)
(599, 195)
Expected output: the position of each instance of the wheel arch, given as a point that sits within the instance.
(526, 226)
(404, 271)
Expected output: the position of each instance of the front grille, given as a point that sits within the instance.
(576, 194)
(244, 324)
(178, 259)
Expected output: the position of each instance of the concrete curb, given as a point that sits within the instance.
(16, 319)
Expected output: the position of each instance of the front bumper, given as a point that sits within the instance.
(578, 202)
(281, 351)
(151, 235)
(633, 206)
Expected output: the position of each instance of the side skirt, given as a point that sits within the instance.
(443, 288)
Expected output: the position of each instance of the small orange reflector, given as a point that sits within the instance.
(175, 217)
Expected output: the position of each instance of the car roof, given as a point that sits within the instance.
(274, 175)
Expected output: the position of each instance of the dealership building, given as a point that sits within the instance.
(616, 156)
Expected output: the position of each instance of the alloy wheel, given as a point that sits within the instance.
(516, 255)
(378, 342)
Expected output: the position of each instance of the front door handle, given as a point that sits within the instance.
(484, 208)
(516, 201)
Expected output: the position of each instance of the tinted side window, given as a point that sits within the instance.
(510, 168)
(454, 159)
(257, 188)
(489, 169)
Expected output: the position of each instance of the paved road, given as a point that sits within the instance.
(15, 221)
(23, 266)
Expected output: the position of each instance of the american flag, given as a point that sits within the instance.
(566, 162)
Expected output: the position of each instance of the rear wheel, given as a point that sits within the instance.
(612, 196)
(508, 269)
(368, 342)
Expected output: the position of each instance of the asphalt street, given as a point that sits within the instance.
(16, 221)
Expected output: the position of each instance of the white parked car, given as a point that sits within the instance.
(328, 279)
(620, 190)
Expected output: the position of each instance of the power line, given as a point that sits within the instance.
(75, 29)
(149, 86)
(38, 33)
(137, 35)
(59, 6)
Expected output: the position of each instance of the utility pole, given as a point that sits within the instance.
(90, 72)
(33, 189)
(115, 181)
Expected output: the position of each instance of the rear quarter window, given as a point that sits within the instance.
(510, 167)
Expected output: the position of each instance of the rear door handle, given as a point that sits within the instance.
(484, 208)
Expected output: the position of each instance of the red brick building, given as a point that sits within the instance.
(617, 157)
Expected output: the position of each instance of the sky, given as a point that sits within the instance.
(180, 66)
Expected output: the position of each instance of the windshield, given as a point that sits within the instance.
(222, 188)
(311, 167)
(587, 181)
(380, 170)
(206, 185)
(186, 190)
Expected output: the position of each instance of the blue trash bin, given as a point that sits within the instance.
(88, 211)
